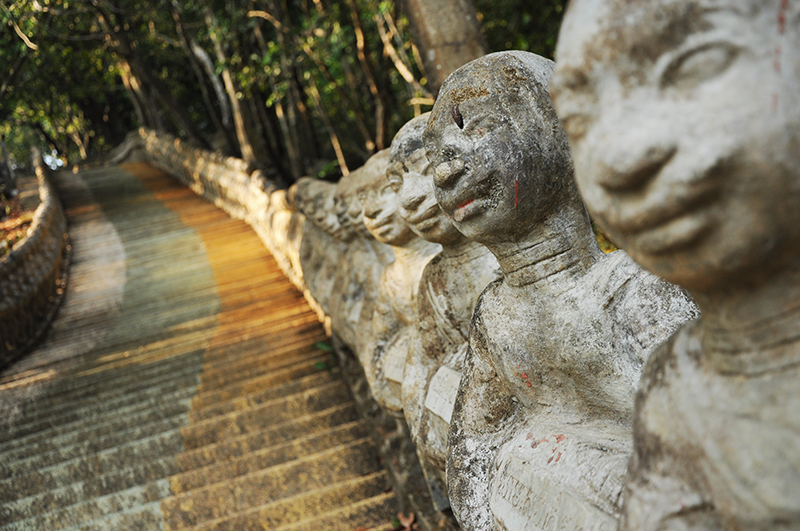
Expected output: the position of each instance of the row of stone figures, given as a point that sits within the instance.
(559, 387)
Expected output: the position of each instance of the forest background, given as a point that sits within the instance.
(295, 87)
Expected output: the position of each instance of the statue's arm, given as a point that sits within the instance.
(378, 337)
(481, 406)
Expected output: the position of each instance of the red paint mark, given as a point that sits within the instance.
(465, 203)
(560, 437)
(559, 457)
(534, 444)
(524, 376)
(529, 436)
(777, 63)
(516, 196)
(782, 16)
(550, 460)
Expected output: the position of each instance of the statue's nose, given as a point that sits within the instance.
(447, 173)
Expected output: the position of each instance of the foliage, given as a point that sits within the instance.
(521, 24)
(298, 87)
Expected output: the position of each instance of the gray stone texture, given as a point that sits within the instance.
(541, 431)
(33, 275)
(684, 122)
(394, 312)
(448, 290)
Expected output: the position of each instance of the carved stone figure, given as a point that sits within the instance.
(354, 258)
(684, 120)
(541, 434)
(449, 288)
(395, 310)
(314, 199)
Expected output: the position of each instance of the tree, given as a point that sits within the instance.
(295, 87)
(447, 33)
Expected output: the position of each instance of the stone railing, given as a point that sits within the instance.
(33, 274)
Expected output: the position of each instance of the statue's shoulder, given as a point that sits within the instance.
(652, 308)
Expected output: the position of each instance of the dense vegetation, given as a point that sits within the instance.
(294, 86)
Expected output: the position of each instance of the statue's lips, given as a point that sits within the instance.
(635, 216)
(674, 234)
(469, 208)
(430, 214)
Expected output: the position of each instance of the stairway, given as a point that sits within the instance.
(182, 386)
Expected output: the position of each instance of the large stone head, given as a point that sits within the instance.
(501, 160)
(410, 176)
(684, 121)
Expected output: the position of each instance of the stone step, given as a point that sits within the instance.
(219, 357)
(267, 457)
(96, 508)
(253, 359)
(264, 415)
(102, 409)
(355, 459)
(291, 387)
(74, 493)
(95, 437)
(277, 377)
(218, 379)
(54, 453)
(372, 514)
(142, 518)
(76, 392)
(274, 435)
(299, 508)
(58, 402)
(34, 479)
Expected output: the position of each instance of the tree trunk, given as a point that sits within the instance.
(249, 141)
(189, 48)
(120, 42)
(447, 33)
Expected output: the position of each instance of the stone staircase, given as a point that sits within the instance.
(183, 385)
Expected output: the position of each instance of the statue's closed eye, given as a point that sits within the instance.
(698, 64)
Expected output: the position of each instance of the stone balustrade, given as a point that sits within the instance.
(33, 274)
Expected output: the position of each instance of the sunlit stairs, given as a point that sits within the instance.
(204, 399)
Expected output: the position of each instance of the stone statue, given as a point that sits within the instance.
(541, 432)
(349, 266)
(449, 288)
(314, 199)
(395, 311)
(684, 120)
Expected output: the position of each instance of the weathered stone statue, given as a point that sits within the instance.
(449, 288)
(684, 119)
(314, 199)
(395, 310)
(541, 432)
(355, 257)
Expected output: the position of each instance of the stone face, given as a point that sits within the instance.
(448, 290)
(684, 121)
(394, 314)
(541, 431)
